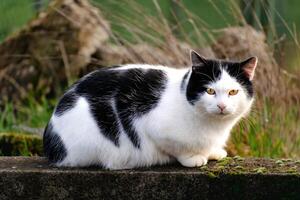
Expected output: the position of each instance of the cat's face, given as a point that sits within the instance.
(220, 88)
(224, 97)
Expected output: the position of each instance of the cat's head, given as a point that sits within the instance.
(221, 88)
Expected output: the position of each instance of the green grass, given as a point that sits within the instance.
(269, 132)
(14, 14)
(13, 144)
(29, 118)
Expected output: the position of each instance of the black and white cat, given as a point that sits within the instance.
(141, 115)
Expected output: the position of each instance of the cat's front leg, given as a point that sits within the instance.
(192, 160)
(217, 154)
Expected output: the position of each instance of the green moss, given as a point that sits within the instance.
(16, 144)
(224, 161)
(220, 168)
(239, 168)
(238, 158)
(293, 170)
(286, 160)
(212, 175)
(280, 163)
(204, 167)
(260, 170)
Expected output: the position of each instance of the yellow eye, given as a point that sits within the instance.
(210, 91)
(233, 92)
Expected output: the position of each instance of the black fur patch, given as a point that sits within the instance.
(54, 148)
(66, 103)
(236, 70)
(106, 119)
(140, 91)
(201, 76)
(211, 72)
(99, 88)
(135, 92)
(182, 85)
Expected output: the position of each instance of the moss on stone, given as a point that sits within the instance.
(238, 158)
(16, 144)
(212, 175)
(225, 161)
(34, 178)
(239, 166)
(260, 170)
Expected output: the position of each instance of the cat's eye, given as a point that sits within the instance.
(233, 92)
(210, 91)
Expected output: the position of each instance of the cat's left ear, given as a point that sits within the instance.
(197, 60)
(249, 66)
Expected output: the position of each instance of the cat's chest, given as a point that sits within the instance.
(194, 141)
(202, 134)
(187, 132)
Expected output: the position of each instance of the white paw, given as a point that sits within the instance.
(217, 154)
(193, 161)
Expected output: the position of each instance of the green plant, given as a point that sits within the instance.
(270, 131)
(29, 117)
(15, 144)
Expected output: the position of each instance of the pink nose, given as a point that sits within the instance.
(221, 106)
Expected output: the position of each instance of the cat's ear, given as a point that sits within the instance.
(196, 59)
(249, 66)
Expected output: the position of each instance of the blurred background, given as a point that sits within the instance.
(46, 45)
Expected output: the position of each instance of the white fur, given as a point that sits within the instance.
(173, 129)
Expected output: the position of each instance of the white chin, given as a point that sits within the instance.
(218, 114)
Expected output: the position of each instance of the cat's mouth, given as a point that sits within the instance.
(223, 114)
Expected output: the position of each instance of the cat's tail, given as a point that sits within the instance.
(54, 148)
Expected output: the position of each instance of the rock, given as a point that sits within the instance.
(51, 49)
(230, 178)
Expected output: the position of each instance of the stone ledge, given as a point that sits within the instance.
(230, 178)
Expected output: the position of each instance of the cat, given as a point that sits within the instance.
(139, 115)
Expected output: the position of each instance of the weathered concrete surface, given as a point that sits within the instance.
(231, 178)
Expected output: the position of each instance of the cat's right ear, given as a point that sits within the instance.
(196, 59)
(249, 66)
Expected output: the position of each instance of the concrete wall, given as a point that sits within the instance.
(231, 178)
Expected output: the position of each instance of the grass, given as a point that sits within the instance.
(9, 20)
(15, 14)
(28, 118)
(272, 130)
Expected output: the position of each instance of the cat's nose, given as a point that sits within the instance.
(221, 106)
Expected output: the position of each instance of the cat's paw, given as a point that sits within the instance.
(217, 154)
(193, 161)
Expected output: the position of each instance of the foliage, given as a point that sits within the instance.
(9, 20)
(14, 144)
(29, 117)
(268, 132)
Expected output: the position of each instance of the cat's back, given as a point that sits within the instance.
(126, 79)
(98, 112)
(135, 84)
